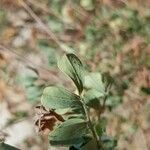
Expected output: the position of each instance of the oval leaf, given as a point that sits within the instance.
(59, 98)
(92, 98)
(72, 66)
(70, 132)
(94, 81)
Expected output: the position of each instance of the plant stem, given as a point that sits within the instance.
(99, 145)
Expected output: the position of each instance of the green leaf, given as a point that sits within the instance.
(72, 66)
(94, 81)
(4, 146)
(84, 145)
(70, 132)
(59, 98)
(91, 145)
(96, 90)
(92, 98)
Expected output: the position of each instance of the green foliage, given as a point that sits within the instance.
(72, 131)
(126, 23)
(98, 40)
(72, 66)
(97, 88)
(92, 98)
(78, 131)
(59, 98)
(114, 40)
(94, 81)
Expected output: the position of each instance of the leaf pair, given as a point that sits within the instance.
(71, 131)
(74, 130)
(60, 98)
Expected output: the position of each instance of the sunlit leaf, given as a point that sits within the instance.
(92, 98)
(94, 81)
(70, 132)
(59, 98)
(72, 66)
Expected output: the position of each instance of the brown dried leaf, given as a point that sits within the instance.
(47, 119)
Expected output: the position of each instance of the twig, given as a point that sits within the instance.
(28, 61)
(40, 6)
(43, 7)
(45, 27)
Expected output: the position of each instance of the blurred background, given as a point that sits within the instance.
(108, 36)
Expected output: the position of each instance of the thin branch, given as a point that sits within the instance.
(25, 59)
(40, 5)
(43, 7)
(45, 27)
